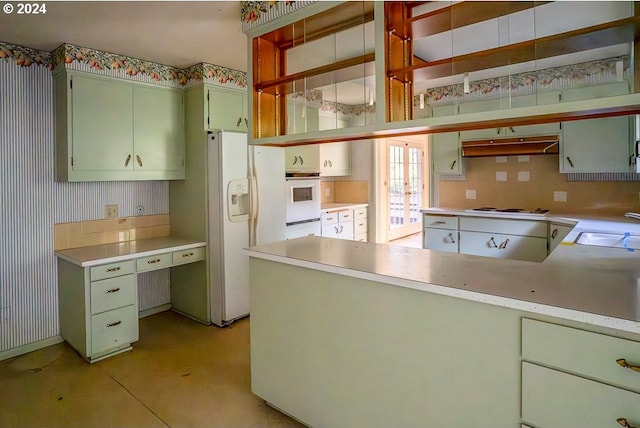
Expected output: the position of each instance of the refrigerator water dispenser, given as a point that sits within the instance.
(238, 199)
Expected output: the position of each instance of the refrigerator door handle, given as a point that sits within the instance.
(254, 209)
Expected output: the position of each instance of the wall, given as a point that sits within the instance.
(596, 198)
(31, 203)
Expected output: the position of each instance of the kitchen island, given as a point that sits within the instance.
(350, 334)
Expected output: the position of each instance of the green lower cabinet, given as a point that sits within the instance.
(108, 129)
(554, 399)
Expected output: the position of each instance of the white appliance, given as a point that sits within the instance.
(246, 204)
(303, 206)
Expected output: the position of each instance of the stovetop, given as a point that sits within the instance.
(537, 211)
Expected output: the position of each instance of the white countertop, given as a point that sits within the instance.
(337, 206)
(567, 285)
(111, 253)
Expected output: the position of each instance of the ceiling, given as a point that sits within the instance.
(173, 33)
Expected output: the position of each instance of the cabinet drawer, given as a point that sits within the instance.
(112, 269)
(359, 213)
(113, 293)
(361, 237)
(158, 261)
(553, 399)
(582, 352)
(441, 240)
(329, 218)
(511, 227)
(346, 215)
(114, 329)
(528, 248)
(188, 256)
(360, 226)
(440, 222)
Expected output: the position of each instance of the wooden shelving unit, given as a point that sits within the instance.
(271, 81)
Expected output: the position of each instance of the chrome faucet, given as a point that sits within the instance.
(635, 216)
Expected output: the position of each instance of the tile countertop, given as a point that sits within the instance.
(116, 252)
(567, 285)
(337, 206)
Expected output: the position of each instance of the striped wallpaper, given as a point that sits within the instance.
(31, 202)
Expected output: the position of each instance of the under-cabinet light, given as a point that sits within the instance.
(465, 84)
(421, 101)
(370, 97)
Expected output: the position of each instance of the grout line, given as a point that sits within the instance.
(143, 405)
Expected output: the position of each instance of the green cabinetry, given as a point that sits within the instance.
(596, 145)
(226, 109)
(108, 129)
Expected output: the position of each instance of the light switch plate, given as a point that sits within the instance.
(523, 176)
(501, 175)
(470, 194)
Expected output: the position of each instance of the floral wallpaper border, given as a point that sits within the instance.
(256, 13)
(598, 71)
(74, 57)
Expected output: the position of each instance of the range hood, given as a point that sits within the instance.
(538, 145)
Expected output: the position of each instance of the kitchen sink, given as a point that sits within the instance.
(615, 240)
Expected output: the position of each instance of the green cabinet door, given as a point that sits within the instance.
(226, 109)
(445, 149)
(102, 131)
(159, 129)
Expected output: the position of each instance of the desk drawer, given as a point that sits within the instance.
(113, 293)
(581, 352)
(158, 261)
(112, 269)
(114, 329)
(188, 256)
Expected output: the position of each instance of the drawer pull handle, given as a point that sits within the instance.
(503, 245)
(115, 269)
(453, 241)
(187, 255)
(439, 222)
(625, 423)
(491, 243)
(623, 363)
(113, 324)
(113, 290)
(554, 234)
(153, 261)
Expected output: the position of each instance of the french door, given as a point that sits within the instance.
(406, 187)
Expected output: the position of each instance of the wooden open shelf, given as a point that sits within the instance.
(615, 32)
(341, 71)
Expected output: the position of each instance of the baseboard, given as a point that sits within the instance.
(30, 347)
(154, 310)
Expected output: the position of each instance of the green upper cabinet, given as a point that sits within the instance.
(102, 125)
(596, 145)
(108, 129)
(446, 153)
(226, 109)
(159, 132)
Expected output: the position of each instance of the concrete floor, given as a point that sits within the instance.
(179, 374)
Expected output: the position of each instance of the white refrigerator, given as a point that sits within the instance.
(246, 206)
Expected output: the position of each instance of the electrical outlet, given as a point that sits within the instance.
(111, 211)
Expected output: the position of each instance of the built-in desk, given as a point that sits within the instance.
(97, 290)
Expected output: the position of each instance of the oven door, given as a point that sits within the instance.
(303, 199)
